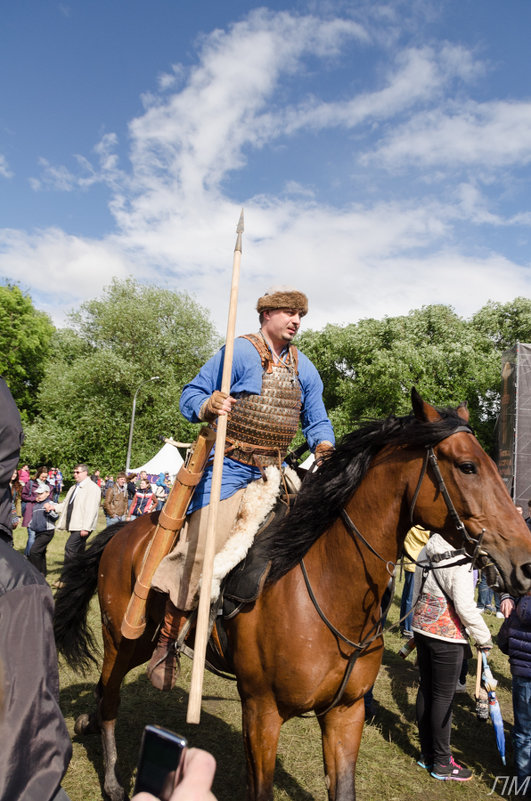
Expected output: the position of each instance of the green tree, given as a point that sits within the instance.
(117, 343)
(368, 368)
(505, 323)
(25, 336)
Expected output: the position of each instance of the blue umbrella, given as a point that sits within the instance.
(490, 684)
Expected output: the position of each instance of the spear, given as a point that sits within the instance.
(203, 613)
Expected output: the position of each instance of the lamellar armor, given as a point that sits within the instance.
(261, 427)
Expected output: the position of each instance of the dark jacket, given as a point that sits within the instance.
(11, 438)
(514, 638)
(41, 520)
(35, 746)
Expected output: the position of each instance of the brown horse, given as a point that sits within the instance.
(331, 559)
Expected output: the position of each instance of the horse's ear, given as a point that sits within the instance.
(462, 411)
(422, 410)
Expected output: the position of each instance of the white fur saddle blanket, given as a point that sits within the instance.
(258, 501)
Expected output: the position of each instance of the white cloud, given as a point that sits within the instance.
(492, 134)
(5, 172)
(176, 219)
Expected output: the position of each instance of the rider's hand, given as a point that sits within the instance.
(322, 451)
(197, 777)
(218, 403)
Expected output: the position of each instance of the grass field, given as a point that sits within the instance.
(386, 765)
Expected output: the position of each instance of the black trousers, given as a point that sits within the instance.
(439, 667)
(37, 554)
(75, 544)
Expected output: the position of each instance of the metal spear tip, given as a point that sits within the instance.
(239, 231)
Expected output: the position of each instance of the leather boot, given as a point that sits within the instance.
(163, 667)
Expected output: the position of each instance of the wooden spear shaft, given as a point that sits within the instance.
(203, 613)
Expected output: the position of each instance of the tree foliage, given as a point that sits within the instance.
(116, 344)
(25, 336)
(505, 323)
(368, 368)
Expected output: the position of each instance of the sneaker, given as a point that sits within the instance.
(425, 763)
(460, 687)
(480, 609)
(407, 633)
(451, 772)
(500, 615)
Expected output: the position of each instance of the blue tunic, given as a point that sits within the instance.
(246, 376)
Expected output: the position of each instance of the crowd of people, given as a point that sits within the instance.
(36, 506)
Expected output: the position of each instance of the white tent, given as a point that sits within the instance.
(167, 460)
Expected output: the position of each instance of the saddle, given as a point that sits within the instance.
(241, 587)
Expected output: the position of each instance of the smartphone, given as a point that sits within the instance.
(159, 762)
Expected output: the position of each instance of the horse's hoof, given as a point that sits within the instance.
(85, 724)
(116, 793)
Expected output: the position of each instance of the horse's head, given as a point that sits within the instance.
(479, 498)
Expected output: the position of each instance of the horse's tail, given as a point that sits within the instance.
(73, 635)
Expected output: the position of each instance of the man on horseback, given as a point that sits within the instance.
(273, 387)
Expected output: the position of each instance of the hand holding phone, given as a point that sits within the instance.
(159, 762)
(198, 769)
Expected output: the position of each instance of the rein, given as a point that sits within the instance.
(430, 460)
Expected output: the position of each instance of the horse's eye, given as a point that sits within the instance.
(467, 467)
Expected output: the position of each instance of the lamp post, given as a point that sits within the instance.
(128, 460)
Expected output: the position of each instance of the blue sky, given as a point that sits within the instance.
(381, 151)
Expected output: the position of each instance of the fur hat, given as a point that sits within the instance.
(283, 297)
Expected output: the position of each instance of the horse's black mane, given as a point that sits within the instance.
(326, 491)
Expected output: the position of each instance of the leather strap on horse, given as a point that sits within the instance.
(170, 522)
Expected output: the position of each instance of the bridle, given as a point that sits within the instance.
(479, 553)
(430, 460)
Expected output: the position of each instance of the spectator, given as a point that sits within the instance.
(11, 438)
(162, 490)
(15, 488)
(28, 495)
(528, 518)
(96, 478)
(144, 501)
(131, 488)
(416, 539)
(142, 476)
(115, 503)
(24, 474)
(42, 523)
(488, 600)
(78, 512)
(58, 488)
(445, 606)
(514, 638)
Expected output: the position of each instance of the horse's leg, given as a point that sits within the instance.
(261, 724)
(117, 662)
(341, 730)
